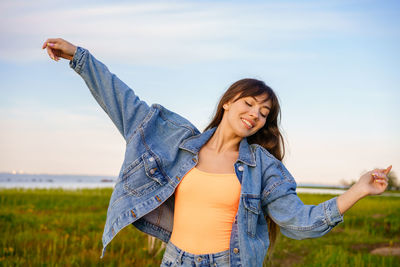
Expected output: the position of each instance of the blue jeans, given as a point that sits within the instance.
(174, 256)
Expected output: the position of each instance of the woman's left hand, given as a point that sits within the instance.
(374, 182)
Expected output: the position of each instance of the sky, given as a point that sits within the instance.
(333, 64)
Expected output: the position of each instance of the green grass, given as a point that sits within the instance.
(64, 228)
(373, 222)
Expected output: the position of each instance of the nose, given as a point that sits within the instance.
(254, 113)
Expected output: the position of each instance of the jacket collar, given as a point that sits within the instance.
(195, 143)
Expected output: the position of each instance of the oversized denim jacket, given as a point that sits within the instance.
(161, 147)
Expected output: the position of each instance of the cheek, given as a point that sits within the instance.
(262, 123)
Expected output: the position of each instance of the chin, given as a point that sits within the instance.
(245, 133)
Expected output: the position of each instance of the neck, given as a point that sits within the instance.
(224, 141)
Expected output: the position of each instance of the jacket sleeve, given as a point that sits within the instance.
(121, 104)
(296, 220)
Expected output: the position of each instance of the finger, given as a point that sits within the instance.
(51, 55)
(56, 52)
(383, 182)
(380, 180)
(54, 40)
(387, 170)
(50, 40)
(376, 174)
(380, 177)
(55, 45)
(55, 49)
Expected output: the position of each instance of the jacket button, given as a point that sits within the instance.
(152, 171)
(236, 250)
(151, 159)
(240, 168)
(133, 214)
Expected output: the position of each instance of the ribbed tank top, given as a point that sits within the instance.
(205, 208)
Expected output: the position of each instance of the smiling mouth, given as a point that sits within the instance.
(247, 123)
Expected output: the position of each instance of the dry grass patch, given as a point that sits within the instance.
(386, 251)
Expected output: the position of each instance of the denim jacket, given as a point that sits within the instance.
(161, 147)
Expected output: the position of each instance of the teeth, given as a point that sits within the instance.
(247, 123)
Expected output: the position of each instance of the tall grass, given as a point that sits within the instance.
(373, 222)
(64, 228)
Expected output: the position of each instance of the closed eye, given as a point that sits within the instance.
(248, 103)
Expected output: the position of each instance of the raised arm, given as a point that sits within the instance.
(119, 101)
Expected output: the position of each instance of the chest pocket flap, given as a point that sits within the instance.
(143, 175)
(152, 168)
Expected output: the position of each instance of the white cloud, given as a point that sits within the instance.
(176, 32)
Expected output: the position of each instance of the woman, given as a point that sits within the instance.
(207, 194)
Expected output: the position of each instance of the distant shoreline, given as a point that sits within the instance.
(108, 185)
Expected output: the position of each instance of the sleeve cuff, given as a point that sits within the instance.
(77, 62)
(332, 213)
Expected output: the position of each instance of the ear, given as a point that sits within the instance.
(226, 106)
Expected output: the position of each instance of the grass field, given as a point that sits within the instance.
(64, 228)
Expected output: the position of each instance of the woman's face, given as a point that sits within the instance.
(247, 115)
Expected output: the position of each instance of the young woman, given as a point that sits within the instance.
(215, 197)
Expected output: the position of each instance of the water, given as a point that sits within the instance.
(31, 181)
(320, 191)
(32, 185)
(10, 180)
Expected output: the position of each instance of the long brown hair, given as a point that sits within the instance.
(269, 136)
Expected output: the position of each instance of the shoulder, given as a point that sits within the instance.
(161, 124)
(263, 156)
(173, 118)
(274, 172)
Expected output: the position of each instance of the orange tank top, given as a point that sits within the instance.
(205, 208)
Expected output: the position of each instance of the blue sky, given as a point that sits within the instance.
(334, 65)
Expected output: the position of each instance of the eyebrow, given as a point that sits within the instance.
(259, 102)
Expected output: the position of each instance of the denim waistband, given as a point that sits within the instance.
(174, 254)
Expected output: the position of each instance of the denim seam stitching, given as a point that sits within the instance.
(266, 152)
(326, 213)
(80, 62)
(165, 118)
(157, 159)
(78, 68)
(129, 193)
(141, 125)
(305, 228)
(120, 228)
(272, 188)
(133, 165)
(185, 141)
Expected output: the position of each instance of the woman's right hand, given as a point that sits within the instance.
(59, 48)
